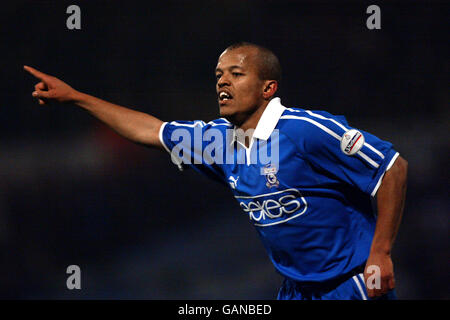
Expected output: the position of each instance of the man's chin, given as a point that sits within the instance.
(226, 113)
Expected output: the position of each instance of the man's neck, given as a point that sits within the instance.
(251, 122)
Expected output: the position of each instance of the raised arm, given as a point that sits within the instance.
(390, 203)
(136, 126)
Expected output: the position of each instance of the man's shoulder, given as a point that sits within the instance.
(303, 119)
(220, 122)
(292, 113)
(303, 124)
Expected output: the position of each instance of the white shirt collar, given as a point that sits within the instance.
(267, 122)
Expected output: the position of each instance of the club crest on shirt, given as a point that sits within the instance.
(270, 172)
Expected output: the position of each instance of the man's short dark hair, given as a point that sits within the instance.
(269, 65)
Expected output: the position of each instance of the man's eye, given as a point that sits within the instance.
(237, 74)
(218, 76)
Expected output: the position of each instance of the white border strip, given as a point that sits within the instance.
(374, 191)
(220, 124)
(332, 133)
(321, 126)
(195, 124)
(345, 129)
(365, 157)
(391, 163)
(361, 290)
(161, 139)
(374, 150)
(361, 277)
(325, 118)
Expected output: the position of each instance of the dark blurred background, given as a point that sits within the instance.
(72, 192)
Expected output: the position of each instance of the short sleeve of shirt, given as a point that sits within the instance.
(187, 143)
(320, 144)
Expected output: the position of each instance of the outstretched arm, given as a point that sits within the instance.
(390, 203)
(136, 126)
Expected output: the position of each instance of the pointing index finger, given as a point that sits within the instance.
(36, 73)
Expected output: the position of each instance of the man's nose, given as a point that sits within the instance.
(223, 81)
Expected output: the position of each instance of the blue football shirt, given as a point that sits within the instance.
(309, 200)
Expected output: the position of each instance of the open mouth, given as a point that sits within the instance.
(225, 96)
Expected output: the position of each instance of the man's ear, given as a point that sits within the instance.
(270, 87)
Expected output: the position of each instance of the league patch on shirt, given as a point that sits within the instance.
(352, 141)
